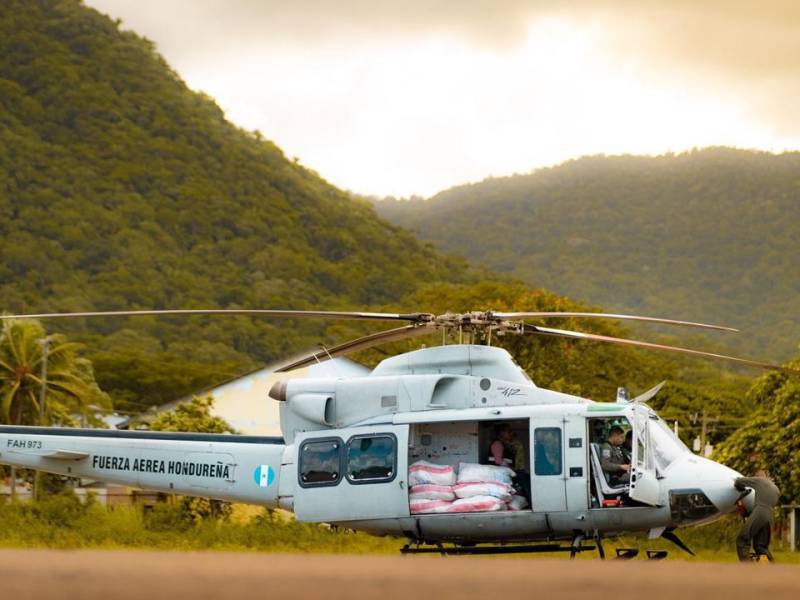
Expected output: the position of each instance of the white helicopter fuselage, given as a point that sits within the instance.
(349, 441)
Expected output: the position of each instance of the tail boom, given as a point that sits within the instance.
(220, 466)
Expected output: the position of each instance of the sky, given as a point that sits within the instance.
(410, 98)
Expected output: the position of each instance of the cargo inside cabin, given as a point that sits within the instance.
(452, 444)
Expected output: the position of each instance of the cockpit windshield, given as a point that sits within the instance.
(666, 445)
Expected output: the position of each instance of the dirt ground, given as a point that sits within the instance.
(93, 574)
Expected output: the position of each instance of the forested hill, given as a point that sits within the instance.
(711, 234)
(121, 188)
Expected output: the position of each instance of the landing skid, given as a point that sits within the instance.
(573, 549)
(476, 550)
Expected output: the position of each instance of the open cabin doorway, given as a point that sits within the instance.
(455, 444)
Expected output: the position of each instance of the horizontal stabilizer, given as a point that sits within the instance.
(66, 455)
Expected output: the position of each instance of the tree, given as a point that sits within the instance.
(196, 416)
(771, 437)
(71, 387)
(192, 416)
(122, 188)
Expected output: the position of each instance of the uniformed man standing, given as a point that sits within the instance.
(612, 457)
(757, 526)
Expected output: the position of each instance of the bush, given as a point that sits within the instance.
(62, 521)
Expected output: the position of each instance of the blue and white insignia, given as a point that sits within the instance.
(264, 475)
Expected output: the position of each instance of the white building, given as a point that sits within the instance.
(243, 401)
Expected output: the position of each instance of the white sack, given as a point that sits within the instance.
(429, 506)
(471, 472)
(484, 488)
(428, 491)
(477, 504)
(423, 472)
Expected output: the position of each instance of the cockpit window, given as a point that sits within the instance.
(666, 445)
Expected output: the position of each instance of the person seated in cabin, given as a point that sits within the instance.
(616, 466)
(504, 448)
(507, 451)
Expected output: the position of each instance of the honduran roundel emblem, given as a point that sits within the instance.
(264, 475)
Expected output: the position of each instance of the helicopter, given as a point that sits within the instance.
(351, 441)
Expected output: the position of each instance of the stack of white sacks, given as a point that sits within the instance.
(476, 488)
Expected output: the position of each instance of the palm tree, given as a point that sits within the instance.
(70, 386)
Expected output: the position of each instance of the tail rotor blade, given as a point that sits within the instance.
(579, 335)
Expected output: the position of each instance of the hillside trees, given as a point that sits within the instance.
(589, 369)
(708, 235)
(120, 188)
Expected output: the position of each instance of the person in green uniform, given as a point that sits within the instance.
(757, 526)
(615, 464)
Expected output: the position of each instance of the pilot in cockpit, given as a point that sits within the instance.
(616, 465)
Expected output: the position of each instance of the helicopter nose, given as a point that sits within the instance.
(717, 481)
(702, 490)
(722, 493)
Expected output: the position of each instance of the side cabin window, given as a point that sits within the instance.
(547, 451)
(320, 462)
(371, 458)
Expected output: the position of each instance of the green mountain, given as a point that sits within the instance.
(711, 235)
(120, 188)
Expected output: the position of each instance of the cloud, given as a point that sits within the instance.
(409, 97)
(217, 24)
(754, 47)
(749, 49)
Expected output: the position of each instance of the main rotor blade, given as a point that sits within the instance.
(579, 335)
(362, 343)
(588, 315)
(291, 314)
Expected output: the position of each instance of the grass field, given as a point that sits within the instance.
(62, 521)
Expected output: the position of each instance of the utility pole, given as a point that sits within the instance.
(13, 483)
(37, 482)
(43, 391)
(701, 445)
(704, 431)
